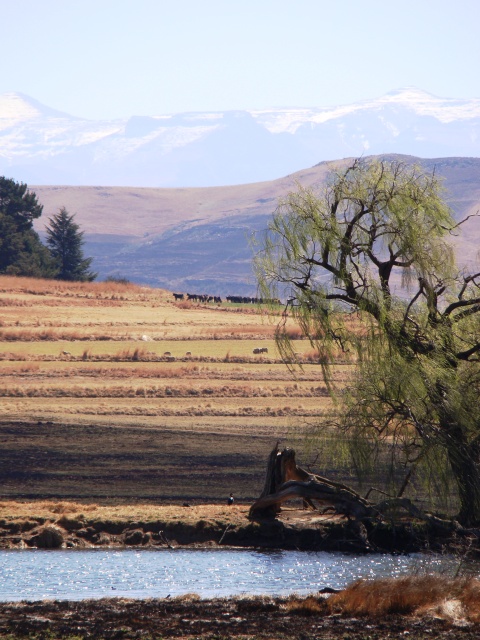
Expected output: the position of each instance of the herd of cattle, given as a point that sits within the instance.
(196, 297)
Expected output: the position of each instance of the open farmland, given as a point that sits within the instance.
(112, 391)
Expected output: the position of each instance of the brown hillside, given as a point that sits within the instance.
(139, 211)
(107, 210)
(196, 238)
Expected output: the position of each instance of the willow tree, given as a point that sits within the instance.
(377, 242)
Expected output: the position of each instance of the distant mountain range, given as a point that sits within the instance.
(39, 145)
(197, 239)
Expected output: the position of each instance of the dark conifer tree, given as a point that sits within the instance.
(65, 241)
(21, 251)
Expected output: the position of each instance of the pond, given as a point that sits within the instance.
(77, 575)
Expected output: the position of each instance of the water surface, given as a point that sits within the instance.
(76, 575)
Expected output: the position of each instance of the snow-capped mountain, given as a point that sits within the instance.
(39, 145)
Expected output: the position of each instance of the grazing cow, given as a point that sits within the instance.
(260, 350)
(178, 296)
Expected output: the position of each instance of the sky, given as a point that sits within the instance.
(108, 59)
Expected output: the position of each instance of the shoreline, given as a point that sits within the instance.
(62, 525)
(278, 534)
(189, 617)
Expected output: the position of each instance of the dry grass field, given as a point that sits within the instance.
(119, 406)
(115, 392)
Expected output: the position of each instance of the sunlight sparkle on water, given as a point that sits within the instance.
(75, 575)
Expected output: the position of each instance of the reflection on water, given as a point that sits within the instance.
(75, 575)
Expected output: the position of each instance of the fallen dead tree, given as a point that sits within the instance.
(286, 480)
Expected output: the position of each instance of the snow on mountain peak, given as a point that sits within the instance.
(415, 100)
(409, 94)
(229, 147)
(14, 106)
(18, 106)
(425, 104)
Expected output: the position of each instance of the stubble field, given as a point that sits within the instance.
(113, 392)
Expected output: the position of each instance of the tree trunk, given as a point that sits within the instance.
(466, 471)
(463, 459)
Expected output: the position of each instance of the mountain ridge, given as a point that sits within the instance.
(40, 145)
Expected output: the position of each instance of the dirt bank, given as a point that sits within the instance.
(51, 525)
(189, 617)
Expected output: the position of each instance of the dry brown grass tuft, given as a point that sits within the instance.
(294, 332)
(315, 355)
(64, 507)
(138, 354)
(245, 331)
(36, 286)
(184, 304)
(187, 597)
(419, 595)
(308, 606)
(471, 599)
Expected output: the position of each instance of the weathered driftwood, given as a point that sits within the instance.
(286, 480)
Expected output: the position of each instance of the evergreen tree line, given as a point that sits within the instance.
(22, 253)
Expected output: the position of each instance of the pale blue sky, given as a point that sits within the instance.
(116, 58)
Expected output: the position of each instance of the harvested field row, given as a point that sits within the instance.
(258, 371)
(118, 333)
(109, 349)
(42, 407)
(112, 390)
(38, 287)
(213, 352)
(272, 427)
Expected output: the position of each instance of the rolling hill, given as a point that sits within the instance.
(197, 239)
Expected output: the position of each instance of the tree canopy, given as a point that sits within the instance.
(21, 251)
(65, 241)
(377, 243)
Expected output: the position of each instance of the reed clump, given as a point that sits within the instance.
(410, 595)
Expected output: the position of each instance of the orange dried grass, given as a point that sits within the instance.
(407, 595)
(306, 606)
(39, 286)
